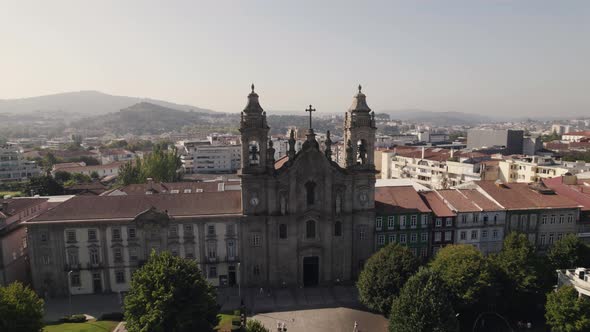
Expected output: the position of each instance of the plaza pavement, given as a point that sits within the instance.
(302, 309)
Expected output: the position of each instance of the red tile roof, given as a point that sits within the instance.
(167, 187)
(522, 196)
(127, 207)
(576, 192)
(436, 204)
(468, 200)
(578, 133)
(399, 199)
(281, 161)
(15, 205)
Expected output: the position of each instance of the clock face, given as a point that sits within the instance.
(254, 201)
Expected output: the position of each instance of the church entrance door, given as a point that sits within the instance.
(311, 271)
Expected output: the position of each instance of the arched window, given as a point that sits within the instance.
(253, 153)
(338, 228)
(310, 189)
(282, 231)
(310, 229)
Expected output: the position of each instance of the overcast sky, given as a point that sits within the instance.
(521, 57)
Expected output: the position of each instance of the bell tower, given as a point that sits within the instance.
(359, 134)
(254, 135)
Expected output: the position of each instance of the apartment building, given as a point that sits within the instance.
(13, 165)
(14, 212)
(480, 221)
(111, 169)
(578, 278)
(402, 217)
(444, 221)
(203, 156)
(436, 168)
(576, 136)
(526, 169)
(534, 209)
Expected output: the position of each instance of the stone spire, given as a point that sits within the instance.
(359, 102)
(291, 152)
(271, 153)
(328, 142)
(253, 106)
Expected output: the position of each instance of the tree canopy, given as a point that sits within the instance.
(569, 252)
(160, 165)
(21, 310)
(169, 293)
(384, 275)
(43, 185)
(464, 270)
(253, 325)
(565, 311)
(423, 305)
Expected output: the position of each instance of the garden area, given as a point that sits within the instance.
(88, 326)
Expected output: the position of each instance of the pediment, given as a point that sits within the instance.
(152, 216)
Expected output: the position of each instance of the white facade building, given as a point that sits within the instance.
(14, 167)
(578, 278)
(205, 157)
(531, 168)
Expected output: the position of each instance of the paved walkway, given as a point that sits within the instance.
(327, 319)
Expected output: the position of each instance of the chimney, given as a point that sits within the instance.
(452, 152)
(4, 206)
(569, 179)
(150, 183)
(422, 153)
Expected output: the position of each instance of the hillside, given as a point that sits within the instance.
(83, 103)
(148, 118)
(438, 118)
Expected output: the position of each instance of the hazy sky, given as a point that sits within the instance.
(515, 57)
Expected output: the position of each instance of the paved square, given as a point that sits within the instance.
(326, 319)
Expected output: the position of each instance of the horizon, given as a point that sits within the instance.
(506, 58)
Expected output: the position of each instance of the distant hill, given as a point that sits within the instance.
(438, 118)
(149, 118)
(83, 103)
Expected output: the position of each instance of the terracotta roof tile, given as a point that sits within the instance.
(125, 207)
(436, 204)
(522, 196)
(399, 199)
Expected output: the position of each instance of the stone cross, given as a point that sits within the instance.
(310, 110)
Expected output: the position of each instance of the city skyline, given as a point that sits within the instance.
(522, 58)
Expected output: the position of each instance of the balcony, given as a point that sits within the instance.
(209, 259)
(234, 258)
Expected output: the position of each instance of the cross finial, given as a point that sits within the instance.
(252, 86)
(360, 88)
(310, 109)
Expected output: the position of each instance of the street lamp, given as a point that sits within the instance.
(70, 289)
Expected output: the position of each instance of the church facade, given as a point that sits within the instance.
(302, 220)
(307, 219)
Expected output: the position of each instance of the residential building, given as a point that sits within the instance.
(109, 156)
(534, 209)
(205, 157)
(402, 217)
(577, 190)
(14, 264)
(526, 169)
(435, 168)
(480, 221)
(510, 140)
(576, 136)
(560, 129)
(59, 143)
(578, 278)
(13, 165)
(443, 221)
(108, 170)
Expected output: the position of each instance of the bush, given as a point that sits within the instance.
(73, 319)
(114, 316)
(21, 310)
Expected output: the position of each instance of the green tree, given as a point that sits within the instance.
(565, 311)
(81, 178)
(49, 160)
(43, 185)
(465, 271)
(94, 175)
(20, 309)
(62, 176)
(255, 326)
(169, 293)
(423, 305)
(569, 252)
(160, 165)
(384, 275)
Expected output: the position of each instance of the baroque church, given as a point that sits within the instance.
(307, 219)
(301, 220)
